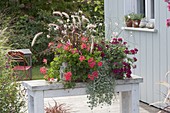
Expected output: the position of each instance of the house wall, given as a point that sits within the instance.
(154, 47)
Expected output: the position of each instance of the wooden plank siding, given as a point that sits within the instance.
(154, 47)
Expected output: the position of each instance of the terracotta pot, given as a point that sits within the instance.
(129, 23)
(136, 23)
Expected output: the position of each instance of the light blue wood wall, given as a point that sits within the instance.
(154, 48)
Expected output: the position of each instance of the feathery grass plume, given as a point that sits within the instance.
(92, 45)
(84, 19)
(57, 13)
(73, 19)
(65, 14)
(35, 37)
(91, 26)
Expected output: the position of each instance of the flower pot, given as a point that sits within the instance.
(129, 23)
(136, 23)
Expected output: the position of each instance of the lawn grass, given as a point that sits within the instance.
(36, 73)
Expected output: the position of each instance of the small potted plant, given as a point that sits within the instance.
(136, 19)
(128, 20)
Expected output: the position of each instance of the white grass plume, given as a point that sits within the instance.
(35, 37)
(65, 14)
(57, 13)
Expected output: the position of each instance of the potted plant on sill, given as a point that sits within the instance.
(128, 20)
(136, 18)
(82, 55)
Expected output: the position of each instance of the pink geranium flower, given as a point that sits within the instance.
(73, 51)
(91, 60)
(66, 47)
(43, 70)
(45, 61)
(59, 45)
(100, 63)
(68, 76)
(50, 44)
(83, 46)
(84, 39)
(81, 58)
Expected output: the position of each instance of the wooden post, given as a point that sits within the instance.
(39, 102)
(30, 103)
(129, 100)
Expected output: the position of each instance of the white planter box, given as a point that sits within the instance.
(40, 89)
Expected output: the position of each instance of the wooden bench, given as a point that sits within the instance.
(40, 89)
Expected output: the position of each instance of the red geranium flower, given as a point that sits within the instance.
(68, 76)
(95, 74)
(91, 77)
(100, 63)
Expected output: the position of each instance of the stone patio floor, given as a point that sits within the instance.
(78, 104)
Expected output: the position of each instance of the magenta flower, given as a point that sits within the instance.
(124, 43)
(120, 39)
(126, 51)
(136, 50)
(135, 59)
(102, 54)
(168, 6)
(168, 22)
(133, 51)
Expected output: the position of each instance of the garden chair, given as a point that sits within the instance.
(20, 64)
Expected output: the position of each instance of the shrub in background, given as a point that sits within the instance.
(28, 17)
(11, 100)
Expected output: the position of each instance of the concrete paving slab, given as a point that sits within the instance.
(78, 104)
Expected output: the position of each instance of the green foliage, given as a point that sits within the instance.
(11, 100)
(128, 17)
(137, 16)
(94, 9)
(101, 90)
(27, 17)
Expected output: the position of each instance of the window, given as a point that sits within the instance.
(145, 7)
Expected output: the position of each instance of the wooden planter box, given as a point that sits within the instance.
(40, 89)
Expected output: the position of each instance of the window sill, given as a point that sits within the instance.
(139, 29)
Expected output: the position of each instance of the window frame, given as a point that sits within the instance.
(148, 10)
(135, 8)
